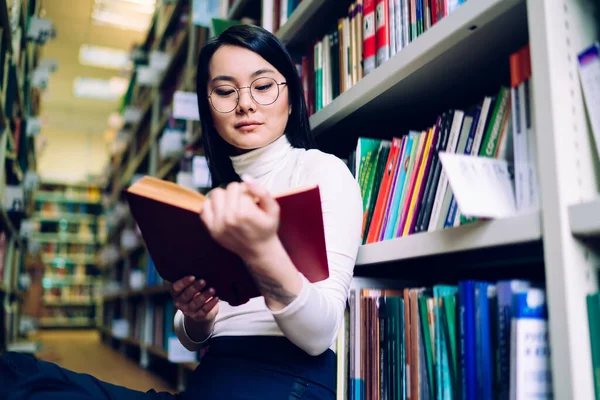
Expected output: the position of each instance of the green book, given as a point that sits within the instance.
(219, 25)
(426, 330)
(593, 309)
(442, 357)
(494, 128)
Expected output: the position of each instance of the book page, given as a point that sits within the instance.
(482, 186)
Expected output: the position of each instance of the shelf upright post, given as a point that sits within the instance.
(154, 134)
(190, 64)
(558, 30)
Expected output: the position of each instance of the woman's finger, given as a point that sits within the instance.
(189, 292)
(231, 202)
(206, 215)
(199, 300)
(209, 305)
(265, 200)
(206, 308)
(217, 203)
(180, 285)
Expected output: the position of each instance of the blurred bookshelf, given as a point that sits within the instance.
(20, 102)
(69, 225)
(447, 61)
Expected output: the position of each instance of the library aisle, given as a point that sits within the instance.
(83, 351)
(471, 127)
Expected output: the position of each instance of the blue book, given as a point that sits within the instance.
(505, 290)
(466, 290)
(530, 370)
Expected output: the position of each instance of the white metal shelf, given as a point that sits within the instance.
(298, 22)
(466, 37)
(479, 235)
(584, 218)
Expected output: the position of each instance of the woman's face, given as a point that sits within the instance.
(250, 124)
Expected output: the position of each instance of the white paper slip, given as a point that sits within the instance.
(179, 354)
(185, 106)
(589, 73)
(482, 186)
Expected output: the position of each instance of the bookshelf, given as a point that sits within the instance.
(19, 108)
(479, 235)
(69, 225)
(451, 64)
(136, 306)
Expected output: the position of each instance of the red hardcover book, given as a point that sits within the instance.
(168, 216)
(369, 44)
(382, 34)
(384, 191)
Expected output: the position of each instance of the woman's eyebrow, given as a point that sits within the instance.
(232, 79)
(223, 78)
(262, 71)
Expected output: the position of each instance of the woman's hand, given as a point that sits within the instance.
(243, 218)
(194, 303)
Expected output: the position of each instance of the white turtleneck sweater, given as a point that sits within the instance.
(313, 319)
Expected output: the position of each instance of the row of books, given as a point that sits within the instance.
(275, 13)
(133, 323)
(371, 33)
(472, 340)
(404, 187)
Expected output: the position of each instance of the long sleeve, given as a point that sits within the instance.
(184, 338)
(313, 319)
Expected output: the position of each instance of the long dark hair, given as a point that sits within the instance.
(266, 45)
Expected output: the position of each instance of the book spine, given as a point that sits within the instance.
(369, 41)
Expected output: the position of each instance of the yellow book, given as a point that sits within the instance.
(414, 198)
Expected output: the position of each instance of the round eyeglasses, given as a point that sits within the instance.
(225, 98)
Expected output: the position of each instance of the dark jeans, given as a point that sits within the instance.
(237, 368)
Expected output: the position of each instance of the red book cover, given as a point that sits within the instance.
(168, 216)
(384, 191)
(369, 44)
(382, 26)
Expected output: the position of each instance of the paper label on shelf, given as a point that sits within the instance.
(185, 106)
(482, 186)
(179, 354)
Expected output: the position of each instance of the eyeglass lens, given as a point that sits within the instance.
(225, 98)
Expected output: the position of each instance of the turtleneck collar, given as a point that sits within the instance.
(261, 161)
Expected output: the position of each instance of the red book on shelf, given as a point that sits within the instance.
(168, 216)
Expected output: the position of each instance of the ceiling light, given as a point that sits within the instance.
(124, 14)
(104, 57)
(100, 89)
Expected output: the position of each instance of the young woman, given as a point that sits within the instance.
(258, 142)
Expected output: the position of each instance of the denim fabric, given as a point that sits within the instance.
(24, 377)
(240, 368)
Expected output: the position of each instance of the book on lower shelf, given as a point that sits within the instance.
(472, 340)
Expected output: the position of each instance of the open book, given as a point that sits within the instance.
(179, 243)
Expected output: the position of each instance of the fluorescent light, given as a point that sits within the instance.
(100, 89)
(119, 21)
(124, 14)
(104, 57)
